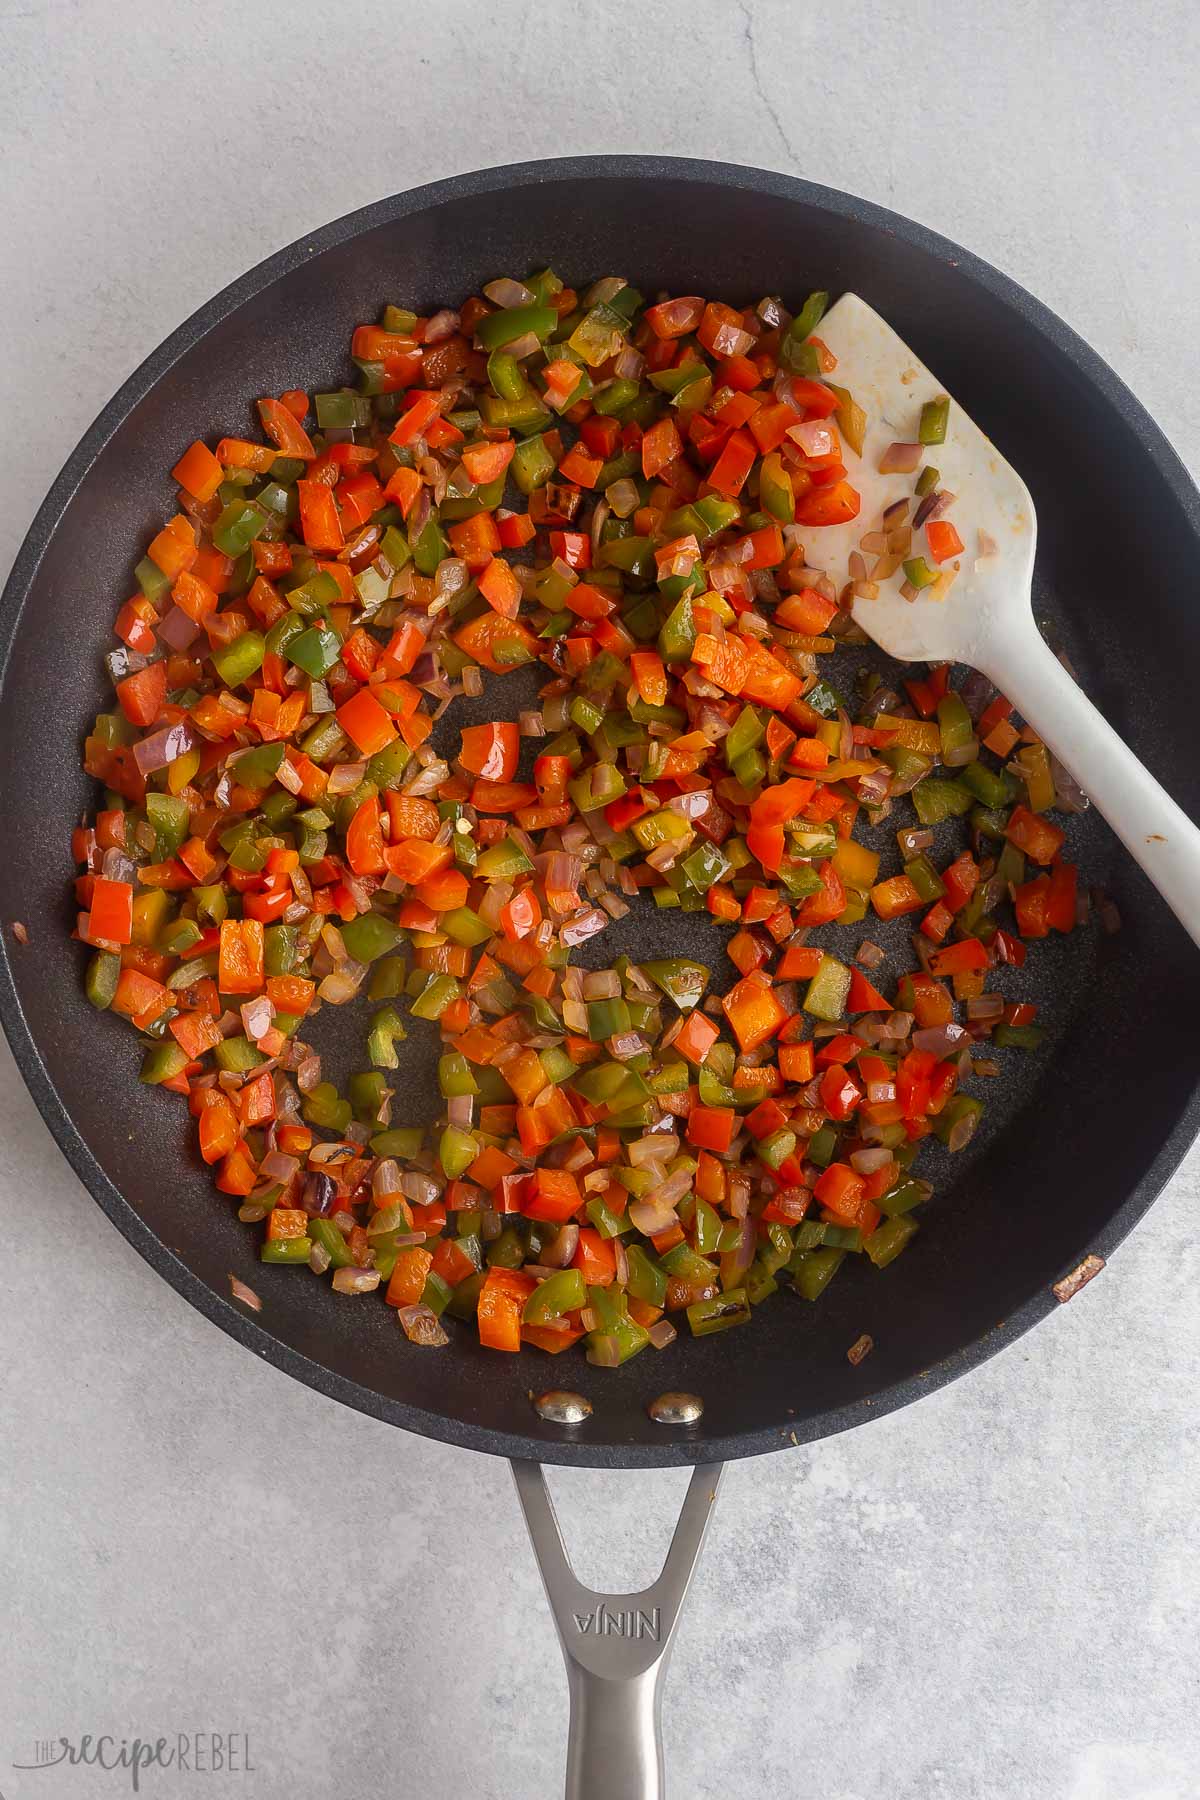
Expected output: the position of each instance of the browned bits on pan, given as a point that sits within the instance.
(20, 932)
(1069, 1286)
(861, 1347)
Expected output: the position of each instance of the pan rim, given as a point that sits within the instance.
(541, 1444)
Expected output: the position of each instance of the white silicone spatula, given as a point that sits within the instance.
(986, 618)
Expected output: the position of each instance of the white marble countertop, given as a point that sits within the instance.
(993, 1595)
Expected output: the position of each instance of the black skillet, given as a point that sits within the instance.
(1078, 1140)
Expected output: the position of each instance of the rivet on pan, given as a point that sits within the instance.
(676, 1409)
(561, 1407)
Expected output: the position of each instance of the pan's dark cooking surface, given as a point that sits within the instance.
(1078, 1139)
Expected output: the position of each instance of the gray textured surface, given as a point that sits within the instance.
(991, 1596)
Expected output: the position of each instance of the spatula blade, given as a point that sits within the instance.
(891, 384)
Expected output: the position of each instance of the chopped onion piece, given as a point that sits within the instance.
(422, 1326)
(507, 293)
(900, 459)
(245, 1294)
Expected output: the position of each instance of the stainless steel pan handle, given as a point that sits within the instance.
(616, 1645)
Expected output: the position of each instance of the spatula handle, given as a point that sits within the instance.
(1157, 833)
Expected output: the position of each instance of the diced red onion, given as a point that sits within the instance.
(939, 1040)
(962, 1131)
(584, 925)
(116, 866)
(355, 1281)
(163, 747)
(558, 1253)
(422, 1326)
(875, 786)
(344, 778)
(342, 984)
(813, 436)
(651, 1216)
(428, 780)
(506, 293)
(245, 1294)
(460, 1111)
(784, 390)
(277, 1167)
(1071, 797)
(744, 1250)
(985, 1006)
(866, 1162)
(602, 291)
(257, 1015)
(289, 777)
(416, 1185)
(900, 459)
(177, 630)
(443, 324)
(385, 1178)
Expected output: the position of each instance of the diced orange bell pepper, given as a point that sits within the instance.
(366, 723)
(364, 840)
(142, 694)
(501, 1302)
(498, 643)
(414, 860)
(112, 910)
(408, 1277)
(1037, 837)
(753, 1011)
(712, 1127)
(491, 751)
(199, 472)
(595, 1258)
(174, 548)
(556, 1196)
(240, 960)
(696, 1036)
(896, 896)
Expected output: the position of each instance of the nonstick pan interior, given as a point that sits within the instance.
(1078, 1138)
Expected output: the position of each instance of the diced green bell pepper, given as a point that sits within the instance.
(370, 936)
(827, 992)
(560, 1293)
(720, 1313)
(936, 799)
(513, 322)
